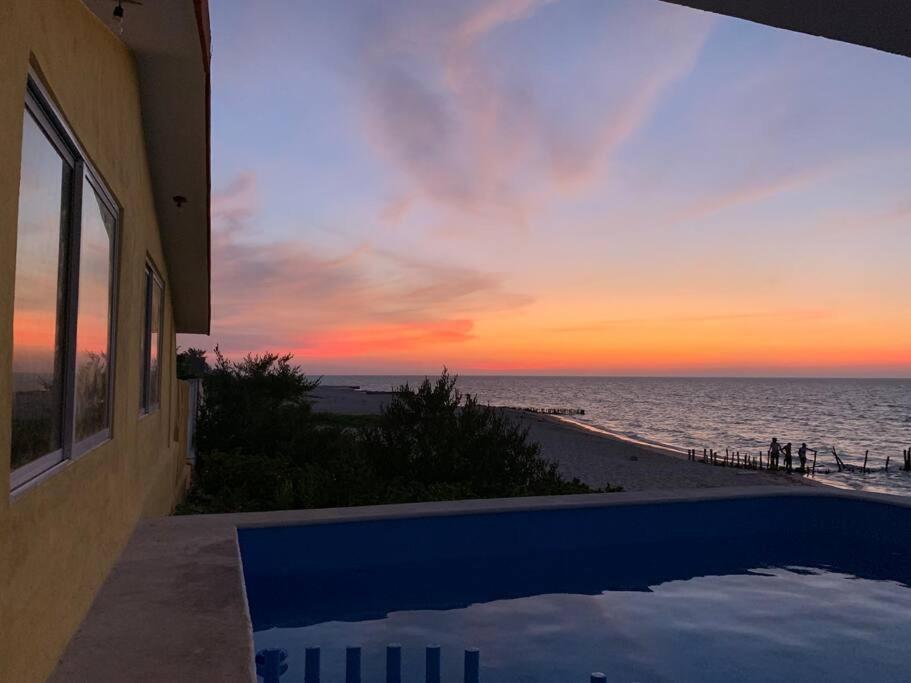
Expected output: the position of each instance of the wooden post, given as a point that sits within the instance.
(866, 455)
(353, 665)
(887, 462)
(271, 664)
(394, 663)
(433, 664)
(311, 665)
(814, 462)
(472, 665)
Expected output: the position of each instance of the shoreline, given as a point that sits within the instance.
(598, 458)
(587, 453)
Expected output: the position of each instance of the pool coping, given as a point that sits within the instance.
(174, 607)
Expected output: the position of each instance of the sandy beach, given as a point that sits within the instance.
(593, 457)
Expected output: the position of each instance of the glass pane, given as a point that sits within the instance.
(144, 350)
(38, 301)
(155, 345)
(93, 318)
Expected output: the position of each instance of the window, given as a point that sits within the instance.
(151, 341)
(62, 328)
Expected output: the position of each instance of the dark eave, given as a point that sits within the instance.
(171, 44)
(881, 24)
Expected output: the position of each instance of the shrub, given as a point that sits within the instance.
(436, 438)
(261, 448)
(256, 406)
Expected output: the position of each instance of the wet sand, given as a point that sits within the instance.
(595, 458)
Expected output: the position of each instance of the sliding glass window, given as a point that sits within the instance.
(93, 321)
(62, 301)
(150, 397)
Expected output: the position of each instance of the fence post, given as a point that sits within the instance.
(311, 665)
(271, 664)
(866, 455)
(353, 665)
(433, 664)
(394, 663)
(472, 665)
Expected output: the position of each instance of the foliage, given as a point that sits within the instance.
(192, 364)
(262, 448)
(434, 437)
(91, 394)
(256, 406)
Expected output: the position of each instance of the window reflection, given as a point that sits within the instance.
(38, 330)
(93, 319)
(155, 343)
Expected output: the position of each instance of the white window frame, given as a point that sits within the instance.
(50, 120)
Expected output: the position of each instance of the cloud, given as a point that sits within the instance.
(266, 295)
(479, 140)
(396, 339)
(781, 316)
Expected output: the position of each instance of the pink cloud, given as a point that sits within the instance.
(388, 339)
(267, 294)
(472, 140)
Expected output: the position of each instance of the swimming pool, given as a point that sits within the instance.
(747, 589)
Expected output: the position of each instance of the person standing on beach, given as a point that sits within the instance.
(787, 457)
(774, 450)
(802, 454)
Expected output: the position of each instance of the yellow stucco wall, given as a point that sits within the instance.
(60, 537)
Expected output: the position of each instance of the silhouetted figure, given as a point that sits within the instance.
(774, 452)
(802, 454)
(787, 457)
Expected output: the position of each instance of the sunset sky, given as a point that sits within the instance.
(565, 187)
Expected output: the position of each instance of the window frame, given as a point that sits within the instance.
(39, 105)
(151, 278)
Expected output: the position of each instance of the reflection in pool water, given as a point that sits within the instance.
(785, 603)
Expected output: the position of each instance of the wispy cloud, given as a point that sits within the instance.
(268, 294)
(654, 321)
(470, 138)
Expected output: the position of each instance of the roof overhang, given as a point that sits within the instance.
(171, 43)
(880, 24)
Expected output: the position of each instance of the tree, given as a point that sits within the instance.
(192, 364)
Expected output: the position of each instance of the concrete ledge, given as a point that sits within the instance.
(174, 607)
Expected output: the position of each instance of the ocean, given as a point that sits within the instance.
(852, 415)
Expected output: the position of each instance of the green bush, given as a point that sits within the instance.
(262, 448)
(436, 439)
(256, 406)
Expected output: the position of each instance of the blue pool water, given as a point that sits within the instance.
(796, 588)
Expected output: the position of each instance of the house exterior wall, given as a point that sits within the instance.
(60, 536)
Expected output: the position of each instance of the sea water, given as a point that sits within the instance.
(852, 415)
